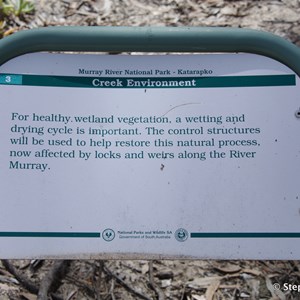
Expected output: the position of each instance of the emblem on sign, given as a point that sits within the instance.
(181, 235)
(108, 235)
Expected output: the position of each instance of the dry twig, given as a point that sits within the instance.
(124, 284)
(52, 280)
(156, 289)
(26, 283)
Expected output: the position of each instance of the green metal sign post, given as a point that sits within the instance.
(150, 39)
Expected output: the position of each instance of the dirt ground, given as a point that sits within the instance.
(159, 279)
(281, 17)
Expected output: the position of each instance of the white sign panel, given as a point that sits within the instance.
(149, 156)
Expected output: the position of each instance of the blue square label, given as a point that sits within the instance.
(10, 79)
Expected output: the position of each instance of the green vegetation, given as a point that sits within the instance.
(16, 7)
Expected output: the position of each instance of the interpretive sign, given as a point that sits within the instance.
(149, 156)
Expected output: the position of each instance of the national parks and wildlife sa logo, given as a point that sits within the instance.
(108, 235)
(181, 235)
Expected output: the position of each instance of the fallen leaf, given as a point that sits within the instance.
(145, 268)
(276, 293)
(197, 297)
(71, 295)
(230, 268)
(203, 282)
(212, 289)
(6, 287)
(7, 279)
(28, 296)
(254, 286)
(166, 282)
(244, 295)
(252, 272)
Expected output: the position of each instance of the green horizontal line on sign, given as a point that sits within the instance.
(149, 82)
(50, 234)
(245, 234)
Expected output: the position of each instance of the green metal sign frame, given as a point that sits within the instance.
(151, 39)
